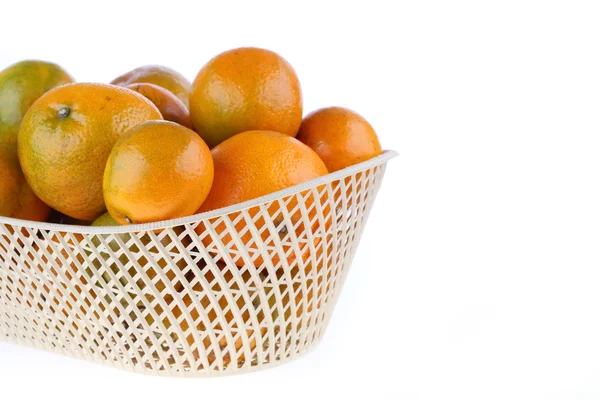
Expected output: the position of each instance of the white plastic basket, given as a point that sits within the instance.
(229, 291)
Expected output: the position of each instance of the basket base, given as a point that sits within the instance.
(189, 374)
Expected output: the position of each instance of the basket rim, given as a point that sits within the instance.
(84, 230)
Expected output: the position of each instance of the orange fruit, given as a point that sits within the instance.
(253, 164)
(66, 138)
(17, 200)
(158, 171)
(21, 85)
(340, 137)
(171, 108)
(164, 77)
(245, 89)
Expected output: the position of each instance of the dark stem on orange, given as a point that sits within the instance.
(64, 112)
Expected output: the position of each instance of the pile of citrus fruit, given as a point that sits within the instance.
(151, 146)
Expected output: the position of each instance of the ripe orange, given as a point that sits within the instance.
(17, 200)
(245, 89)
(21, 84)
(159, 170)
(253, 164)
(164, 77)
(340, 137)
(171, 108)
(65, 140)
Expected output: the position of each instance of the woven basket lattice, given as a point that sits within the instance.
(229, 291)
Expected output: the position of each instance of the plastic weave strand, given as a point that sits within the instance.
(229, 291)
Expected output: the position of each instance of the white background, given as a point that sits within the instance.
(478, 276)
